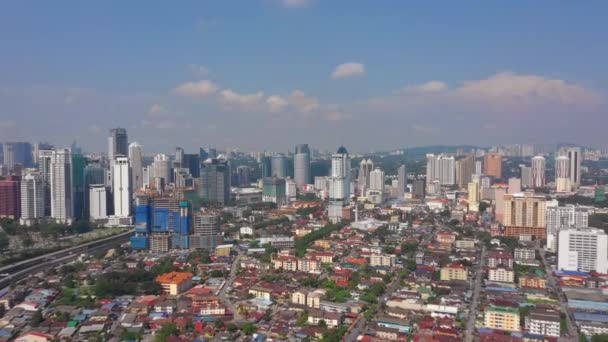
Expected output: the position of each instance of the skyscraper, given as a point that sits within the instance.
(274, 190)
(94, 174)
(538, 172)
(242, 175)
(136, 161)
(161, 168)
(574, 155)
(206, 233)
(32, 197)
(562, 174)
(563, 217)
(78, 165)
(526, 176)
(339, 184)
(302, 166)
(279, 166)
(179, 156)
(402, 181)
(440, 168)
(61, 186)
(582, 249)
(365, 167)
(10, 197)
(525, 215)
(265, 167)
(17, 153)
(215, 181)
(465, 168)
(193, 163)
(118, 143)
(44, 166)
(473, 192)
(98, 202)
(492, 165)
(121, 187)
(376, 180)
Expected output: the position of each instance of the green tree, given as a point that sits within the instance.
(4, 241)
(322, 324)
(599, 338)
(166, 330)
(249, 328)
(302, 319)
(36, 318)
(231, 327)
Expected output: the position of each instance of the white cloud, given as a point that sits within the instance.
(231, 97)
(430, 86)
(295, 3)
(511, 88)
(348, 70)
(302, 103)
(276, 103)
(156, 109)
(196, 89)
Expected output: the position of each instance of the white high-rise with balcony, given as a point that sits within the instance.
(32, 197)
(122, 189)
(538, 172)
(376, 180)
(583, 249)
(339, 184)
(563, 217)
(98, 202)
(62, 206)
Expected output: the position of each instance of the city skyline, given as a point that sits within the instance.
(174, 75)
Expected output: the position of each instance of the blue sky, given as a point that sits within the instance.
(537, 69)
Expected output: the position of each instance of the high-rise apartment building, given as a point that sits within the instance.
(538, 172)
(136, 155)
(401, 181)
(492, 164)
(563, 217)
(514, 185)
(526, 177)
(45, 156)
(215, 181)
(465, 168)
(121, 187)
(79, 163)
(339, 184)
(32, 197)
(376, 180)
(301, 162)
(473, 196)
(98, 200)
(575, 157)
(525, 215)
(582, 249)
(562, 174)
(440, 168)
(10, 197)
(206, 233)
(62, 204)
(118, 143)
(365, 167)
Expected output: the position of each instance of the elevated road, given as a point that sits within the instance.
(22, 269)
